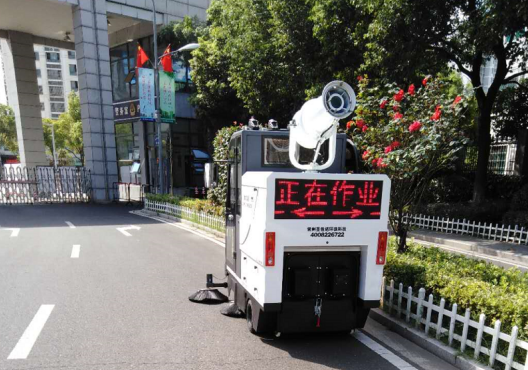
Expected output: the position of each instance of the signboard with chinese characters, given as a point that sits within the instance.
(126, 111)
(167, 97)
(328, 199)
(146, 94)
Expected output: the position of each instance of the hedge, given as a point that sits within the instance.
(482, 287)
(199, 205)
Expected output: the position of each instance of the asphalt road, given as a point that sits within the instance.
(122, 304)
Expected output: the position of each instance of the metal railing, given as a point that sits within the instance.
(201, 218)
(448, 324)
(23, 185)
(129, 192)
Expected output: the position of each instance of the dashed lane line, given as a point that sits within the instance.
(72, 226)
(76, 250)
(32, 332)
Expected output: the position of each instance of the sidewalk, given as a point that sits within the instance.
(499, 253)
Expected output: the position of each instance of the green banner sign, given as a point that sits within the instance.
(167, 97)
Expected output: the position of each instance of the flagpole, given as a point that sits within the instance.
(157, 101)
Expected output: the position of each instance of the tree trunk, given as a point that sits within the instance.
(483, 142)
(402, 239)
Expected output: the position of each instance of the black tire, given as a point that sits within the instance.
(249, 317)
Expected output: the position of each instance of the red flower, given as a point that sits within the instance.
(374, 162)
(425, 80)
(380, 163)
(437, 114)
(411, 89)
(365, 128)
(399, 96)
(398, 116)
(415, 126)
(457, 100)
(388, 149)
(383, 104)
(360, 123)
(395, 144)
(359, 78)
(349, 123)
(395, 108)
(365, 155)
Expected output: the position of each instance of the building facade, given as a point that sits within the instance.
(57, 77)
(97, 30)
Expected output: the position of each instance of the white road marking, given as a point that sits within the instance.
(383, 352)
(14, 231)
(32, 332)
(180, 227)
(72, 226)
(124, 232)
(75, 251)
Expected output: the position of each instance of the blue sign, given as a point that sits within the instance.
(147, 94)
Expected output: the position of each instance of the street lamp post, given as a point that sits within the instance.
(157, 117)
(53, 142)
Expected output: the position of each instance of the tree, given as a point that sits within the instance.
(268, 57)
(8, 134)
(68, 133)
(409, 36)
(408, 136)
(511, 110)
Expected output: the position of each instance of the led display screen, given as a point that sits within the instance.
(327, 199)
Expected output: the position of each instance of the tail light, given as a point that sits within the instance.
(270, 249)
(382, 248)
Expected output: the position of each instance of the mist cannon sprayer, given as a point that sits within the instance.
(317, 121)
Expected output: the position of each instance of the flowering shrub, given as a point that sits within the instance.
(411, 142)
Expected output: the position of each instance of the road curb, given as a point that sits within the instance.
(446, 353)
(205, 229)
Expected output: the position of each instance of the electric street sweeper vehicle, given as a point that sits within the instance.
(305, 240)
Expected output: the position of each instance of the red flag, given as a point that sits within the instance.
(166, 61)
(141, 57)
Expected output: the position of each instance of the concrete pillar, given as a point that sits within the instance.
(95, 90)
(23, 96)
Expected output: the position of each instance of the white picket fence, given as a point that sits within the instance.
(397, 301)
(213, 222)
(503, 233)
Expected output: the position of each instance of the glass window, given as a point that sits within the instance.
(55, 115)
(71, 54)
(73, 70)
(42, 106)
(54, 74)
(41, 90)
(276, 152)
(37, 55)
(53, 57)
(119, 87)
(38, 72)
(57, 107)
(74, 85)
(56, 91)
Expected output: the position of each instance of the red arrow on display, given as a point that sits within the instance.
(353, 213)
(302, 212)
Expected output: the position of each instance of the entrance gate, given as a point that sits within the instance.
(23, 185)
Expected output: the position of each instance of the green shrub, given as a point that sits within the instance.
(198, 205)
(482, 287)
